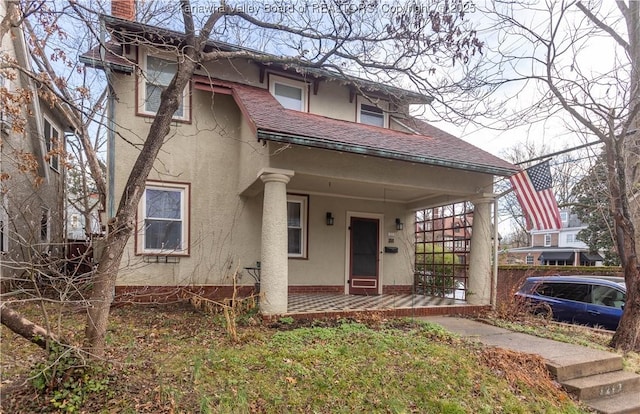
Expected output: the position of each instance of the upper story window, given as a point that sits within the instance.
(547, 240)
(571, 238)
(297, 225)
(52, 139)
(164, 214)
(158, 73)
(564, 217)
(372, 114)
(290, 93)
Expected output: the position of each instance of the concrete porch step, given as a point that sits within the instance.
(582, 363)
(604, 385)
(628, 403)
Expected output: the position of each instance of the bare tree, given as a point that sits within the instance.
(546, 54)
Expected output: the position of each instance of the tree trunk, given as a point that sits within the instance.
(627, 336)
(189, 57)
(24, 327)
(124, 221)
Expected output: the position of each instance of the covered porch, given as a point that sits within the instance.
(337, 202)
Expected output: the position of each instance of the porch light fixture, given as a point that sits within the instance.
(329, 219)
(399, 224)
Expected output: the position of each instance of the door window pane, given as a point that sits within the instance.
(364, 247)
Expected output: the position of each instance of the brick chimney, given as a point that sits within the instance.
(124, 9)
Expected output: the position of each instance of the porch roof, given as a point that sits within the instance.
(429, 145)
(561, 256)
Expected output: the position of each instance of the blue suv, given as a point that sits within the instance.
(585, 300)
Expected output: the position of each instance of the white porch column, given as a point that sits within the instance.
(274, 278)
(479, 284)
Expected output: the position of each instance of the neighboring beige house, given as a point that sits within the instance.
(302, 173)
(32, 184)
(559, 247)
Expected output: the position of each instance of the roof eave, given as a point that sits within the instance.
(171, 36)
(306, 141)
(102, 64)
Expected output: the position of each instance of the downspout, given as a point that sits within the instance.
(496, 246)
(110, 210)
(111, 147)
(110, 207)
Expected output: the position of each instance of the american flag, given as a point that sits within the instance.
(533, 188)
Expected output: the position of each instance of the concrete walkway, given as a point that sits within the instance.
(595, 377)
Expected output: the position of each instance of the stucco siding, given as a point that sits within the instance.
(254, 156)
(236, 70)
(328, 247)
(332, 101)
(224, 228)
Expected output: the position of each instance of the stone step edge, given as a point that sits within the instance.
(613, 383)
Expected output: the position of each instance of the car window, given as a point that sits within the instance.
(571, 291)
(607, 296)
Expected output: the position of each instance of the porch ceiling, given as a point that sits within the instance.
(340, 187)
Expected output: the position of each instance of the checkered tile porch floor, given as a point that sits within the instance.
(323, 302)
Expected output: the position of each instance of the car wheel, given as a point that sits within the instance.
(543, 310)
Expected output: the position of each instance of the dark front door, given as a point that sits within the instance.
(364, 254)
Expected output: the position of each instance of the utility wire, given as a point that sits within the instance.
(542, 157)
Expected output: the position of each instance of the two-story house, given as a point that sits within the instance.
(559, 247)
(32, 172)
(302, 174)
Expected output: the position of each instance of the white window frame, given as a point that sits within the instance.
(382, 106)
(184, 189)
(142, 90)
(571, 238)
(529, 259)
(304, 90)
(547, 240)
(303, 200)
(53, 160)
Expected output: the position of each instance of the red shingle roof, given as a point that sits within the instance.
(112, 58)
(273, 122)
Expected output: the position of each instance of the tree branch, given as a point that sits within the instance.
(604, 26)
